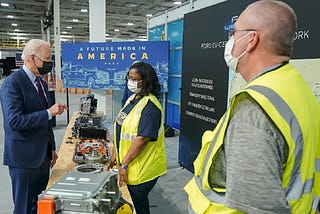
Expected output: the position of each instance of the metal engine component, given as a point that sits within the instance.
(91, 151)
(89, 168)
(90, 123)
(88, 105)
(79, 192)
(94, 126)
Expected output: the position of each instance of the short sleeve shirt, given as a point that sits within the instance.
(250, 162)
(149, 123)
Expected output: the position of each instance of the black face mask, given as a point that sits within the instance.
(46, 67)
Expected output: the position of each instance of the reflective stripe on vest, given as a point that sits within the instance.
(139, 108)
(137, 112)
(295, 188)
(127, 136)
(317, 165)
(315, 202)
(211, 194)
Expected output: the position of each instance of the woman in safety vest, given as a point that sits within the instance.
(139, 136)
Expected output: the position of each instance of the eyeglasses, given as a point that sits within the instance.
(134, 80)
(232, 32)
(43, 60)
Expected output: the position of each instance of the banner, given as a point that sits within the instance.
(105, 65)
(204, 79)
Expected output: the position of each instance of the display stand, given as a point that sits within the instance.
(65, 163)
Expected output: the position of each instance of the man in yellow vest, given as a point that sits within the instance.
(264, 155)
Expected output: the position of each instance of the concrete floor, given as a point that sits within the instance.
(168, 195)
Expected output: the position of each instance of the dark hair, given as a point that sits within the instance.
(150, 82)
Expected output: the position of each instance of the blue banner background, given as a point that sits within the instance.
(105, 65)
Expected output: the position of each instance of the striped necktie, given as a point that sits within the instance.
(41, 93)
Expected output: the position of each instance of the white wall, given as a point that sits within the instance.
(178, 13)
(4, 54)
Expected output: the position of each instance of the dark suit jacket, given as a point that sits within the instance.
(26, 124)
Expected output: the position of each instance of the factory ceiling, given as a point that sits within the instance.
(22, 20)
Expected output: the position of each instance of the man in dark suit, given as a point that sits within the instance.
(29, 145)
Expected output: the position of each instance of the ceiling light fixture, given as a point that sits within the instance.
(132, 5)
(64, 40)
(14, 24)
(75, 20)
(149, 15)
(69, 27)
(116, 30)
(141, 39)
(18, 37)
(10, 16)
(4, 4)
(66, 36)
(130, 24)
(19, 34)
(177, 2)
(84, 10)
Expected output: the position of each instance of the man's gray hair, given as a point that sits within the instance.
(32, 47)
(280, 21)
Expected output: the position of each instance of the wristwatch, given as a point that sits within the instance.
(124, 167)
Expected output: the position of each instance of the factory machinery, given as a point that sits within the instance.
(88, 188)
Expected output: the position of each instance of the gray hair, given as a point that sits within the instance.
(279, 22)
(33, 47)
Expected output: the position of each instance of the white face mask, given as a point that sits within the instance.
(133, 86)
(232, 61)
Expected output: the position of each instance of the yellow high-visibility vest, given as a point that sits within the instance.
(151, 162)
(295, 111)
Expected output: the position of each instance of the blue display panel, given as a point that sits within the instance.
(175, 33)
(175, 36)
(104, 65)
(156, 33)
(175, 62)
(174, 90)
(172, 112)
